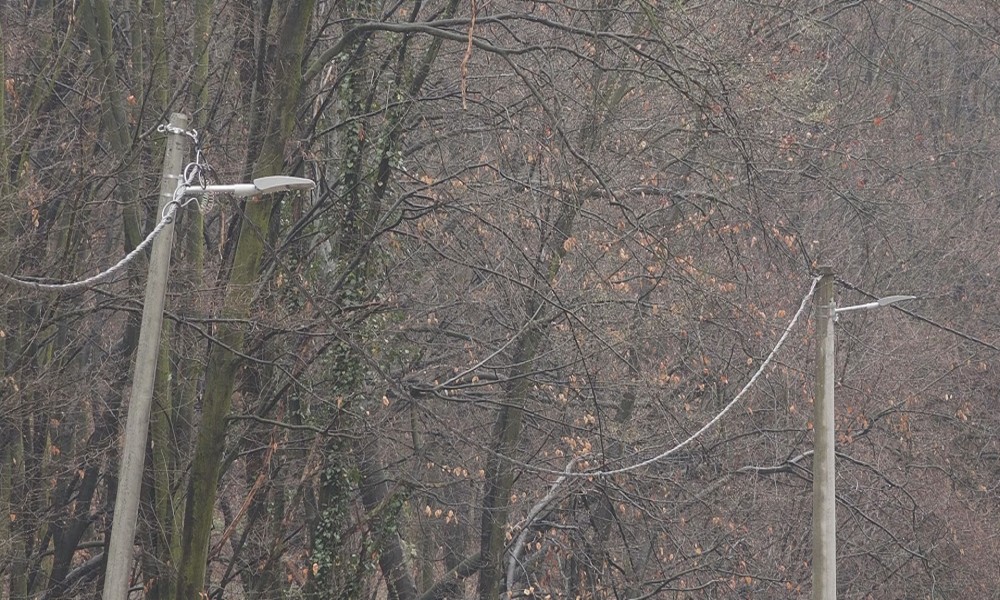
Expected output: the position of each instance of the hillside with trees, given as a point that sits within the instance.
(543, 329)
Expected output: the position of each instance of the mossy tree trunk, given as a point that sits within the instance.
(223, 362)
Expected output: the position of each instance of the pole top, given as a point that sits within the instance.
(824, 270)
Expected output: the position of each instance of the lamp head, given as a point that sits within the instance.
(282, 183)
(260, 186)
(894, 299)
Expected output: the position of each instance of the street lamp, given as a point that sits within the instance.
(877, 304)
(824, 469)
(261, 185)
(172, 188)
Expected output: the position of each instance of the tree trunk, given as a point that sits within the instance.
(507, 428)
(384, 509)
(199, 82)
(223, 362)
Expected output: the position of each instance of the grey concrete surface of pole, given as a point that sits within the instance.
(824, 474)
(824, 449)
(120, 547)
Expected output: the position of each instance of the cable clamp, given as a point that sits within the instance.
(167, 128)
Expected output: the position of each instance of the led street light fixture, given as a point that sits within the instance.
(261, 185)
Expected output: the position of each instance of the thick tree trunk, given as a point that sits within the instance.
(223, 362)
(199, 82)
(381, 506)
(97, 22)
(9, 431)
(507, 428)
(13, 478)
(499, 471)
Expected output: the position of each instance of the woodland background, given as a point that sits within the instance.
(548, 236)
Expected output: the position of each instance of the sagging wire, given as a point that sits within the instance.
(704, 428)
(711, 423)
(194, 173)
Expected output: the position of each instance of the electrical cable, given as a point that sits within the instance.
(659, 457)
(726, 409)
(192, 172)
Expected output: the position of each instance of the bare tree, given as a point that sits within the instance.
(544, 234)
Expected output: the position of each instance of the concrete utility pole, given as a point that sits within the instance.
(824, 450)
(824, 474)
(120, 547)
(119, 559)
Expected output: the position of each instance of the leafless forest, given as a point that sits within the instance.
(549, 242)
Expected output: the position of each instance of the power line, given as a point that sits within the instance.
(711, 423)
(165, 219)
(727, 408)
(194, 171)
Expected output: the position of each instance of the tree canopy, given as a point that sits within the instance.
(550, 242)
